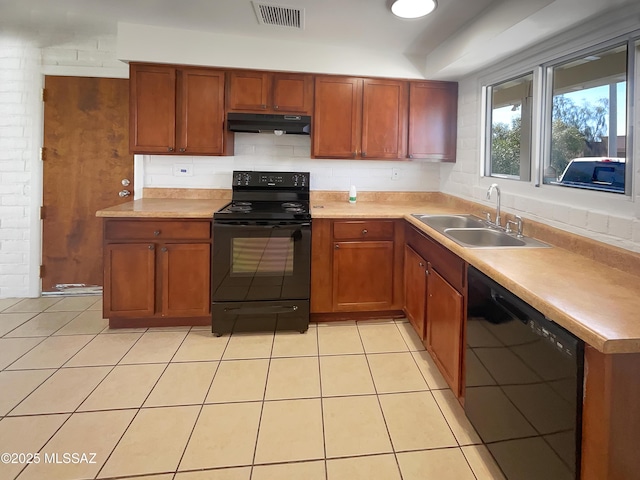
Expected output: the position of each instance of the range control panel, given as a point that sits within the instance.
(271, 179)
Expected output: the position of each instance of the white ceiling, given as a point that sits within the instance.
(456, 30)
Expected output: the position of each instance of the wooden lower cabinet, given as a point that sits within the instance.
(435, 292)
(356, 268)
(445, 315)
(157, 273)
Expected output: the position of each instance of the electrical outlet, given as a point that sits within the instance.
(395, 174)
(182, 170)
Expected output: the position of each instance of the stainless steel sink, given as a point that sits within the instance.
(441, 222)
(472, 232)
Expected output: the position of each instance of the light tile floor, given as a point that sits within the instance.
(344, 401)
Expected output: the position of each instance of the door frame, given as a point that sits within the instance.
(34, 287)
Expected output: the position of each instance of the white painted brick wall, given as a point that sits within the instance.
(20, 85)
(291, 152)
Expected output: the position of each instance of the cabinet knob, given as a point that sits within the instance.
(410, 155)
(365, 231)
(169, 149)
(151, 247)
(183, 149)
(164, 249)
(156, 233)
(264, 107)
(337, 246)
(421, 264)
(275, 107)
(364, 154)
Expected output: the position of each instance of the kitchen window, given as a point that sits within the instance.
(508, 142)
(587, 121)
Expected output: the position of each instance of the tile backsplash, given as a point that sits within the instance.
(264, 151)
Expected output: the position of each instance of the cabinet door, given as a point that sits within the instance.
(201, 111)
(384, 119)
(415, 289)
(336, 117)
(152, 109)
(129, 280)
(433, 113)
(444, 327)
(363, 275)
(186, 284)
(248, 91)
(292, 93)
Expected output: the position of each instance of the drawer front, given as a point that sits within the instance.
(157, 230)
(446, 263)
(363, 230)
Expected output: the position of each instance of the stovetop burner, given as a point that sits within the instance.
(268, 196)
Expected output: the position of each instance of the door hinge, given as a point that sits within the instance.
(44, 94)
(41, 271)
(43, 154)
(42, 212)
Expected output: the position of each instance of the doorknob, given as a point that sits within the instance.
(126, 182)
(124, 193)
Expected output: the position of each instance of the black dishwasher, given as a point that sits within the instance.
(523, 384)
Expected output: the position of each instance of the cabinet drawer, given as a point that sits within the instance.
(157, 229)
(363, 230)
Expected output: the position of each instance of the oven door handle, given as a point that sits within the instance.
(257, 310)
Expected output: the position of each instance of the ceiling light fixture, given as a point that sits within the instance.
(412, 8)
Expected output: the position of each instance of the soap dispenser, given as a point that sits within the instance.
(352, 194)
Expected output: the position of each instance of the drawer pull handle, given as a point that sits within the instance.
(151, 247)
(164, 249)
(364, 232)
(156, 233)
(421, 264)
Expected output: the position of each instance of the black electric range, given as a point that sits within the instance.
(261, 262)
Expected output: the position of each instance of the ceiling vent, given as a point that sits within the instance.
(279, 15)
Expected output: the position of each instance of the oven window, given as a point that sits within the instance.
(261, 256)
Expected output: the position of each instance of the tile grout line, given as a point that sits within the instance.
(141, 404)
(264, 394)
(324, 433)
(204, 400)
(375, 388)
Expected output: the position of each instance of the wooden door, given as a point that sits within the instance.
(129, 277)
(153, 109)
(415, 289)
(433, 113)
(186, 284)
(384, 119)
(336, 117)
(292, 93)
(86, 158)
(363, 276)
(248, 91)
(444, 327)
(201, 112)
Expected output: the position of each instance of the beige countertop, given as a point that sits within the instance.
(598, 303)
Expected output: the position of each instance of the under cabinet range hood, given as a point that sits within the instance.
(278, 124)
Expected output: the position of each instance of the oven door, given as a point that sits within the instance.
(266, 261)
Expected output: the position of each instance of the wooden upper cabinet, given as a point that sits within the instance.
(359, 118)
(152, 109)
(433, 114)
(178, 110)
(384, 119)
(337, 117)
(201, 112)
(265, 92)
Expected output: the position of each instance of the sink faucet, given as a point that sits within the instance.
(494, 186)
